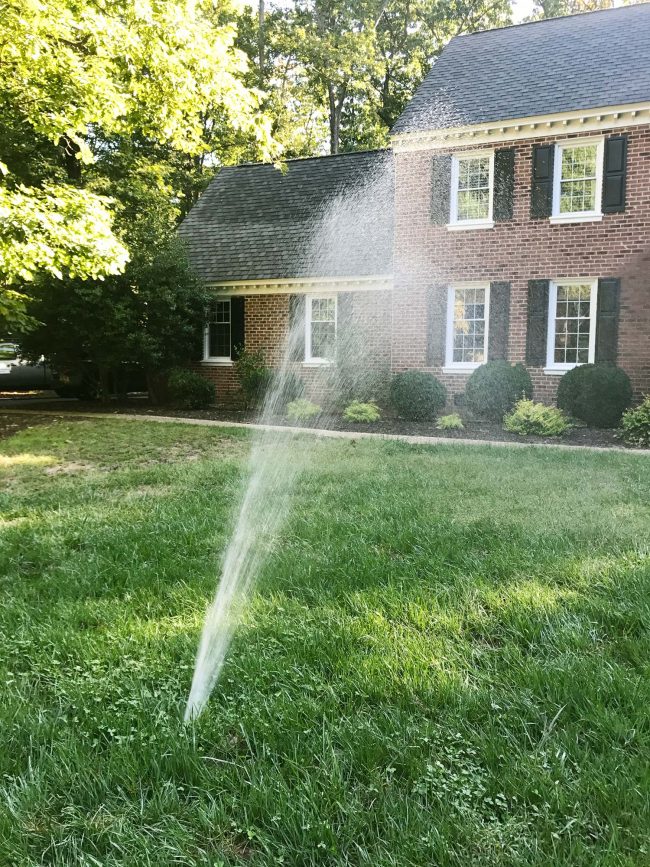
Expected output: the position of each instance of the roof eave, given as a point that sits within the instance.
(535, 126)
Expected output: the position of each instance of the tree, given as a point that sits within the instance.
(555, 8)
(152, 316)
(298, 116)
(337, 73)
(410, 35)
(76, 76)
(337, 44)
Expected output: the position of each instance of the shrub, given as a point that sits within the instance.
(254, 376)
(636, 425)
(595, 393)
(450, 422)
(417, 395)
(302, 410)
(362, 412)
(528, 417)
(190, 390)
(494, 388)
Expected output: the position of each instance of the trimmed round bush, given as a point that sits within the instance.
(495, 387)
(597, 394)
(417, 395)
(636, 425)
(190, 390)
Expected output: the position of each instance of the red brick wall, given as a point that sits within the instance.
(518, 251)
(266, 326)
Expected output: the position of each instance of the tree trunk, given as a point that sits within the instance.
(104, 383)
(261, 40)
(72, 164)
(157, 387)
(336, 102)
(334, 120)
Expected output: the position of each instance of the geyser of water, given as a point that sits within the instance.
(339, 246)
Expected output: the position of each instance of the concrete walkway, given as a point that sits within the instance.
(331, 434)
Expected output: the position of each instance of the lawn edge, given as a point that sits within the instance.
(411, 439)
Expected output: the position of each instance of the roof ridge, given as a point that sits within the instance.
(547, 20)
(386, 149)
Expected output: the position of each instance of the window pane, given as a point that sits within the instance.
(473, 193)
(219, 340)
(578, 180)
(222, 312)
(323, 309)
(323, 335)
(572, 324)
(323, 328)
(469, 326)
(219, 329)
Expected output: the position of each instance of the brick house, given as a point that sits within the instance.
(509, 219)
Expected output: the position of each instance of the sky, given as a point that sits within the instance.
(521, 9)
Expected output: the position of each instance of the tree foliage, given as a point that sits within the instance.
(337, 73)
(151, 315)
(79, 76)
(555, 8)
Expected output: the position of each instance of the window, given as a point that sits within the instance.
(571, 324)
(320, 338)
(472, 184)
(578, 181)
(8, 351)
(217, 334)
(467, 326)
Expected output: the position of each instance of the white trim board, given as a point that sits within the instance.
(536, 126)
(306, 286)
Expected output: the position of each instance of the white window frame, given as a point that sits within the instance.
(315, 360)
(217, 359)
(452, 366)
(578, 216)
(553, 367)
(454, 222)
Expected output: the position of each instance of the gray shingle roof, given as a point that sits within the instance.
(323, 217)
(583, 61)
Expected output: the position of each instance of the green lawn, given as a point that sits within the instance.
(447, 661)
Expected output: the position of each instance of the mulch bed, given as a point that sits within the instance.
(478, 430)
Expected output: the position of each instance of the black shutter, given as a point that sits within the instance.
(296, 334)
(609, 291)
(345, 341)
(436, 325)
(537, 331)
(237, 327)
(499, 321)
(614, 175)
(541, 195)
(504, 184)
(440, 189)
